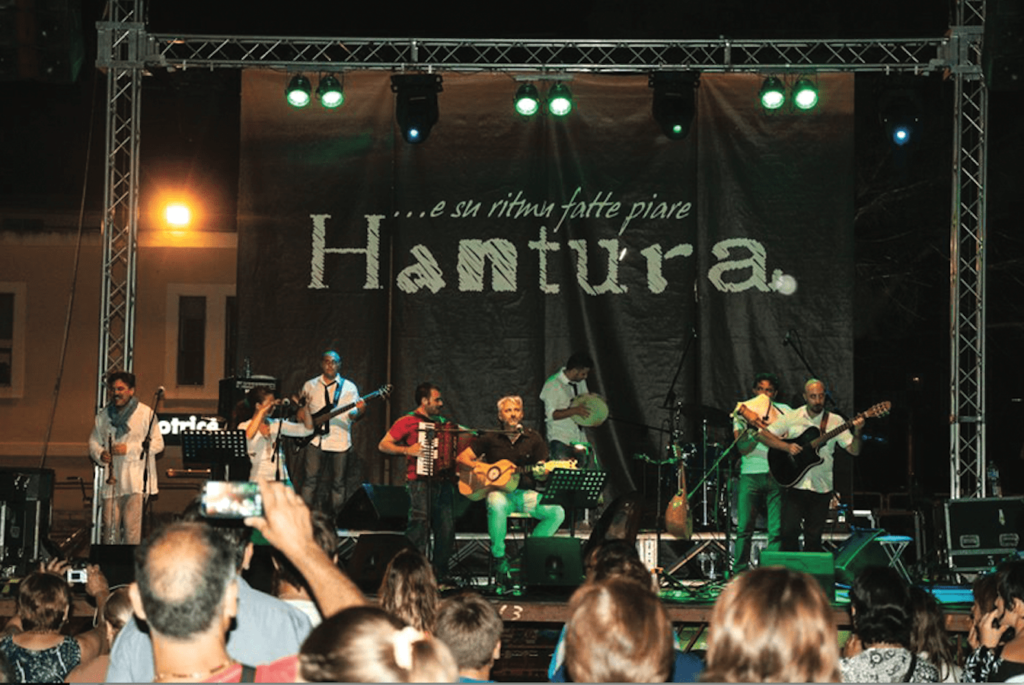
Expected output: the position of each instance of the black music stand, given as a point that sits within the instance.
(574, 489)
(220, 450)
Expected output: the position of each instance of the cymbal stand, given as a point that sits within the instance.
(716, 468)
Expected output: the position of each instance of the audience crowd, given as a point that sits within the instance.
(190, 616)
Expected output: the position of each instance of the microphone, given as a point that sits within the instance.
(160, 391)
(284, 402)
(786, 340)
(519, 429)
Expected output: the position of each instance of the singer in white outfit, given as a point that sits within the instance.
(125, 442)
(263, 433)
(525, 448)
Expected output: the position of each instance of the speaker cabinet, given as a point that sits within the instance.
(375, 507)
(370, 558)
(552, 562)
(816, 564)
(116, 561)
(982, 532)
(232, 391)
(858, 552)
(26, 509)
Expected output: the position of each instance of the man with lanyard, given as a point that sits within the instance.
(125, 441)
(331, 449)
(806, 502)
(524, 448)
(758, 490)
(558, 393)
(431, 497)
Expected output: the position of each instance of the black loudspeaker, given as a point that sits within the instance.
(116, 561)
(26, 508)
(552, 562)
(375, 507)
(860, 551)
(620, 521)
(232, 391)
(370, 558)
(817, 564)
(1002, 52)
(983, 532)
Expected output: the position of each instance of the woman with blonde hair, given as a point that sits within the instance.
(409, 591)
(772, 625)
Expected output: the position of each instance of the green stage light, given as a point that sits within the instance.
(298, 91)
(330, 92)
(527, 100)
(773, 94)
(559, 100)
(805, 94)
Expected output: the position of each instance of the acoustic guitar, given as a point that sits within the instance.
(788, 469)
(481, 478)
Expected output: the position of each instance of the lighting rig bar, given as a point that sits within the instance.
(721, 55)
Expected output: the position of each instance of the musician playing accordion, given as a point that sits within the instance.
(420, 437)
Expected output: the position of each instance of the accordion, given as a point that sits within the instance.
(439, 449)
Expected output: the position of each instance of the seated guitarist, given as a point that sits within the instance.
(806, 502)
(525, 448)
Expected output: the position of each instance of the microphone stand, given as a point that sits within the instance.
(145, 449)
(794, 342)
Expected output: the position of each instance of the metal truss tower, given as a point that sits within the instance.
(126, 49)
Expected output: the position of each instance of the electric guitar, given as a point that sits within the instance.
(322, 418)
(481, 478)
(788, 469)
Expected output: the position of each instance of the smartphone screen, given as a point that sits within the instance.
(231, 499)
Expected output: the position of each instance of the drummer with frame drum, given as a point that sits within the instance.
(568, 407)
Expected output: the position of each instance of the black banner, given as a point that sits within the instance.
(480, 259)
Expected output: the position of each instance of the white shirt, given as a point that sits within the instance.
(339, 437)
(756, 461)
(261, 447)
(558, 393)
(129, 469)
(793, 425)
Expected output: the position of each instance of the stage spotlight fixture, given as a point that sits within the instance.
(298, 91)
(675, 101)
(900, 112)
(527, 100)
(330, 92)
(416, 104)
(773, 93)
(805, 94)
(559, 100)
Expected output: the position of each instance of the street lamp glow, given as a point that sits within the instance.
(177, 215)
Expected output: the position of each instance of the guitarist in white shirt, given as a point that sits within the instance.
(329, 452)
(526, 449)
(805, 503)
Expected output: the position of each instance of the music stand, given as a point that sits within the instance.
(574, 489)
(218, 449)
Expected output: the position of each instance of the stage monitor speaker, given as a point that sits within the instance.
(26, 485)
(370, 558)
(232, 391)
(859, 551)
(375, 507)
(982, 532)
(116, 561)
(816, 564)
(552, 562)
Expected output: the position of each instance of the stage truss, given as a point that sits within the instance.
(127, 50)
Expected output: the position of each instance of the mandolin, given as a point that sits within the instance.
(677, 514)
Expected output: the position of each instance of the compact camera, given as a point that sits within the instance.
(77, 575)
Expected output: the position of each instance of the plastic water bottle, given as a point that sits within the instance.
(994, 488)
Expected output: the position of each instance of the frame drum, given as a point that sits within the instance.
(596, 405)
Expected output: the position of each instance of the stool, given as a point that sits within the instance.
(894, 546)
(516, 520)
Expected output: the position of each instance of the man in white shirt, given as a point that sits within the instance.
(805, 503)
(330, 450)
(558, 393)
(125, 441)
